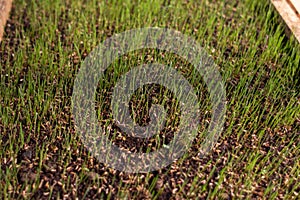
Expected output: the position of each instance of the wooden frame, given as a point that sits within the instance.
(5, 6)
(290, 12)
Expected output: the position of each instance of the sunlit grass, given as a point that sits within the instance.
(257, 154)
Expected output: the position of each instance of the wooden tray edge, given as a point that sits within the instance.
(290, 15)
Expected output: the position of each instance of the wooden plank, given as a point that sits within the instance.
(296, 4)
(5, 6)
(290, 12)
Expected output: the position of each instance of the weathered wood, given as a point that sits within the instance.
(5, 6)
(296, 4)
(290, 12)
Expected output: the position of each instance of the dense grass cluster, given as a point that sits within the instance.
(257, 154)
